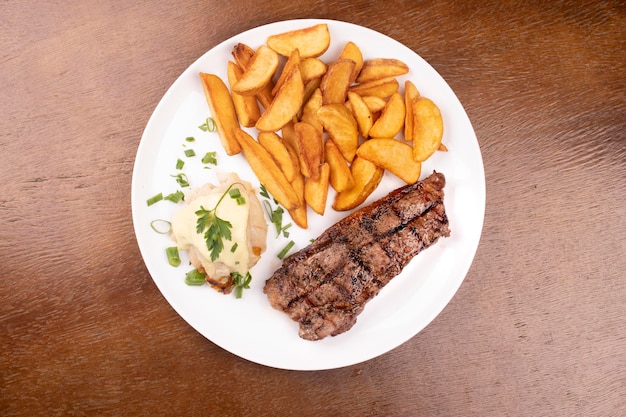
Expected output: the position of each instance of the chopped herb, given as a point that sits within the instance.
(275, 215)
(234, 247)
(182, 180)
(194, 277)
(286, 249)
(210, 158)
(240, 282)
(156, 198)
(208, 125)
(156, 226)
(190, 139)
(189, 153)
(175, 197)
(172, 256)
(180, 164)
(235, 194)
(264, 192)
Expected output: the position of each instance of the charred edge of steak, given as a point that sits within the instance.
(325, 286)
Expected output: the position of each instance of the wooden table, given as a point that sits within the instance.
(537, 327)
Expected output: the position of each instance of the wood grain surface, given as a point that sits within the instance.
(537, 328)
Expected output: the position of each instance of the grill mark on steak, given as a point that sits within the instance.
(325, 286)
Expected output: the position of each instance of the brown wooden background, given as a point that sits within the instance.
(537, 328)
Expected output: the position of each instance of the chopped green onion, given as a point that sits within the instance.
(240, 282)
(190, 152)
(235, 194)
(286, 249)
(155, 225)
(180, 164)
(194, 277)
(208, 125)
(155, 199)
(210, 158)
(172, 256)
(175, 197)
(190, 139)
(234, 247)
(181, 179)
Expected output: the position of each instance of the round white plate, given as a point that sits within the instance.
(250, 327)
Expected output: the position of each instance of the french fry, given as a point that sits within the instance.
(353, 52)
(316, 190)
(222, 110)
(377, 68)
(341, 127)
(336, 81)
(367, 176)
(427, 128)
(393, 155)
(410, 93)
(279, 152)
(294, 59)
(382, 88)
(391, 119)
(310, 147)
(258, 73)
(286, 103)
(362, 113)
(312, 68)
(267, 171)
(340, 176)
(312, 41)
(246, 107)
(243, 54)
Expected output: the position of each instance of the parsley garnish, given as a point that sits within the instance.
(240, 282)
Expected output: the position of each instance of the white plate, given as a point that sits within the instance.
(249, 327)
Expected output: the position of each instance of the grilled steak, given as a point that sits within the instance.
(325, 286)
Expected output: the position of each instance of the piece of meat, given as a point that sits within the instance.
(325, 286)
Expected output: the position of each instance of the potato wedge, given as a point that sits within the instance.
(340, 176)
(222, 110)
(246, 107)
(267, 171)
(258, 73)
(286, 103)
(391, 119)
(427, 128)
(309, 90)
(275, 146)
(442, 148)
(294, 59)
(310, 147)
(312, 68)
(310, 108)
(375, 69)
(316, 190)
(312, 41)
(393, 155)
(410, 93)
(361, 112)
(382, 88)
(366, 176)
(375, 104)
(341, 127)
(353, 52)
(243, 54)
(336, 81)
(299, 214)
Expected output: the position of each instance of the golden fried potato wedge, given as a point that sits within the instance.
(299, 214)
(316, 190)
(294, 59)
(375, 104)
(353, 52)
(275, 146)
(391, 119)
(361, 112)
(258, 73)
(340, 175)
(222, 110)
(289, 135)
(442, 148)
(427, 128)
(286, 103)
(309, 90)
(310, 148)
(312, 68)
(341, 127)
(312, 41)
(336, 81)
(382, 88)
(310, 108)
(246, 107)
(375, 69)
(267, 171)
(410, 93)
(366, 176)
(393, 155)
(243, 55)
